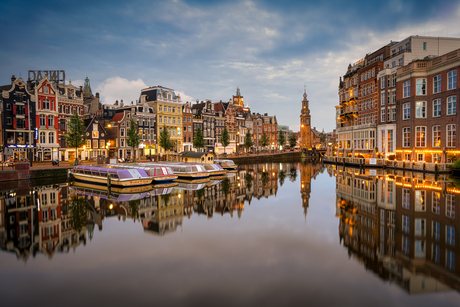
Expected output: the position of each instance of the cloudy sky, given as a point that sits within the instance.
(205, 49)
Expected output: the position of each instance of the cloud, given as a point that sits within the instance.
(117, 88)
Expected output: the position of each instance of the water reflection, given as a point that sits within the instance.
(402, 226)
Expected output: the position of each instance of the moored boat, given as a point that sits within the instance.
(118, 177)
(228, 165)
(184, 171)
(157, 173)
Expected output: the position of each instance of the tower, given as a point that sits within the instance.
(305, 124)
(238, 99)
(87, 93)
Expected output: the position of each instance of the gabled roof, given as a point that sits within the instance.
(219, 106)
(117, 117)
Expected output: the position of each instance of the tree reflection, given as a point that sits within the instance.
(292, 175)
(78, 210)
(199, 195)
(264, 178)
(248, 178)
(134, 206)
(282, 177)
(225, 186)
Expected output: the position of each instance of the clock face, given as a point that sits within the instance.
(102, 134)
(87, 133)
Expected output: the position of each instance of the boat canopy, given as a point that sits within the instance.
(152, 171)
(225, 162)
(180, 168)
(115, 173)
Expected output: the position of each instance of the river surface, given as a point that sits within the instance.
(272, 234)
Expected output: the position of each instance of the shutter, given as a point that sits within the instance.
(46, 121)
(27, 111)
(56, 123)
(15, 123)
(37, 120)
(14, 109)
(27, 124)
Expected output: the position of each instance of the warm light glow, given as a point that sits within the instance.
(111, 206)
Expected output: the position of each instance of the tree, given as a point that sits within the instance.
(292, 140)
(225, 138)
(281, 138)
(264, 140)
(133, 137)
(322, 138)
(165, 140)
(248, 141)
(198, 140)
(75, 135)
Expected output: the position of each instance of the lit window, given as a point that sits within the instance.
(420, 88)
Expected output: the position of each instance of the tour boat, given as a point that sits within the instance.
(118, 177)
(212, 169)
(157, 173)
(103, 189)
(184, 171)
(120, 194)
(228, 165)
(190, 186)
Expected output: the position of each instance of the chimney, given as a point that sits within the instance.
(97, 95)
(13, 78)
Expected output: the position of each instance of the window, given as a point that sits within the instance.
(160, 108)
(436, 136)
(420, 88)
(42, 137)
(406, 137)
(450, 205)
(405, 245)
(420, 246)
(50, 121)
(101, 143)
(420, 200)
(424, 45)
(406, 199)
(46, 104)
(393, 114)
(451, 105)
(420, 109)
(382, 83)
(406, 89)
(435, 251)
(382, 111)
(394, 79)
(382, 98)
(95, 143)
(420, 136)
(405, 224)
(436, 202)
(450, 260)
(406, 110)
(452, 80)
(451, 137)
(450, 235)
(436, 107)
(88, 143)
(400, 62)
(42, 120)
(436, 84)
(122, 132)
(51, 137)
(174, 110)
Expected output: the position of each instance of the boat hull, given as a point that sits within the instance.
(114, 182)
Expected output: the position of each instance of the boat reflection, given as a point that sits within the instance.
(402, 226)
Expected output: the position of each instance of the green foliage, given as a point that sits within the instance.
(200, 194)
(165, 140)
(132, 134)
(456, 164)
(75, 135)
(265, 176)
(134, 205)
(248, 141)
(322, 138)
(292, 140)
(198, 140)
(78, 209)
(225, 138)
(281, 138)
(248, 179)
(225, 186)
(264, 140)
(292, 175)
(282, 177)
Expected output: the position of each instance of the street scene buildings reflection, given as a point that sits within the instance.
(395, 229)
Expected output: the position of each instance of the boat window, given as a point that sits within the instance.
(194, 168)
(188, 169)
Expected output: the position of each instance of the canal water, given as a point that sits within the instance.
(272, 234)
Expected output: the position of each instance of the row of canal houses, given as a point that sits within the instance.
(400, 102)
(35, 115)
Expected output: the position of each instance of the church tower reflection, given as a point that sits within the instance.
(307, 172)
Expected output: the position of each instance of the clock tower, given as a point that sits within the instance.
(305, 124)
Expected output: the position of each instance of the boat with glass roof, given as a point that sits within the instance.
(157, 173)
(118, 177)
(228, 165)
(184, 171)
